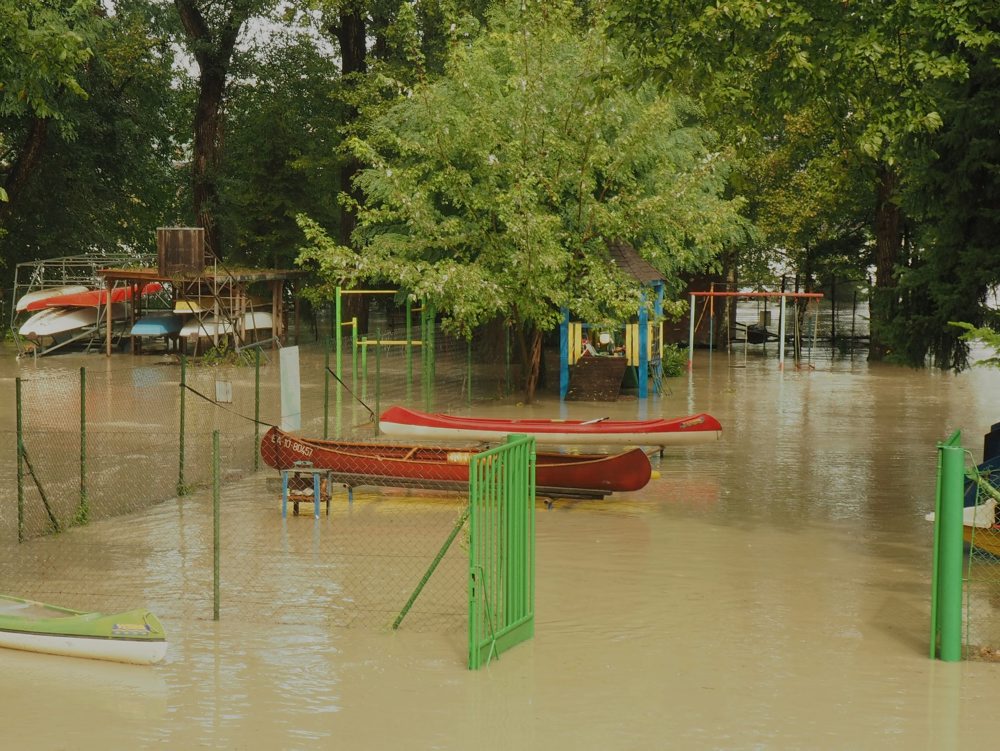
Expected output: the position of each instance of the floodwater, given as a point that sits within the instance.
(768, 591)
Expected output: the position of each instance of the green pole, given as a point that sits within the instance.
(468, 372)
(378, 376)
(20, 462)
(83, 512)
(506, 360)
(354, 354)
(459, 523)
(181, 489)
(326, 389)
(950, 555)
(256, 409)
(425, 348)
(409, 348)
(215, 525)
(340, 360)
(364, 368)
(431, 355)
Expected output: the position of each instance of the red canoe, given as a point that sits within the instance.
(394, 464)
(93, 297)
(680, 431)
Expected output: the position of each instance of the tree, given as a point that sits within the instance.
(281, 149)
(46, 46)
(495, 190)
(956, 198)
(104, 176)
(211, 29)
(874, 67)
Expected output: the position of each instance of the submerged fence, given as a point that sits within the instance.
(114, 492)
(966, 567)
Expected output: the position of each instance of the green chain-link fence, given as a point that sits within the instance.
(115, 493)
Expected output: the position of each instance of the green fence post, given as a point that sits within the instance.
(216, 518)
(364, 368)
(256, 409)
(378, 377)
(950, 554)
(83, 512)
(354, 354)
(181, 487)
(506, 361)
(468, 371)
(424, 350)
(432, 354)
(340, 361)
(326, 389)
(409, 348)
(20, 462)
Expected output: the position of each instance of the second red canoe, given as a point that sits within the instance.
(679, 431)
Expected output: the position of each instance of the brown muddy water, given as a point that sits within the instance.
(769, 591)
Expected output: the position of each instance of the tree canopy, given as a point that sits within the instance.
(494, 190)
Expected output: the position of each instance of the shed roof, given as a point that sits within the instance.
(629, 261)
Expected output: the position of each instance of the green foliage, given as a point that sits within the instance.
(223, 354)
(281, 150)
(984, 335)
(674, 361)
(494, 190)
(955, 262)
(879, 83)
(114, 182)
(45, 46)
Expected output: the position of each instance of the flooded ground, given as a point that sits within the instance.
(769, 591)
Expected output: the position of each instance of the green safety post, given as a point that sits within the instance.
(946, 607)
(256, 410)
(409, 348)
(378, 376)
(181, 489)
(326, 389)
(83, 512)
(354, 354)
(364, 368)
(20, 462)
(432, 353)
(425, 354)
(506, 360)
(340, 360)
(215, 525)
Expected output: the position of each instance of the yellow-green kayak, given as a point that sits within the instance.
(136, 636)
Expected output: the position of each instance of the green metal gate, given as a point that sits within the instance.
(501, 549)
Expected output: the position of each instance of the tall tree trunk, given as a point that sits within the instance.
(529, 342)
(350, 31)
(207, 155)
(28, 158)
(888, 244)
(213, 50)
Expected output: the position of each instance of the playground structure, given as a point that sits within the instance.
(709, 306)
(643, 345)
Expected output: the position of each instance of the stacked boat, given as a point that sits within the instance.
(64, 313)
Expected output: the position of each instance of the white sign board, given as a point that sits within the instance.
(291, 389)
(224, 392)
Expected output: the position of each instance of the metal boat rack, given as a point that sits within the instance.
(34, 276)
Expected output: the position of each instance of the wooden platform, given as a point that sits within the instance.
(596, 378)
